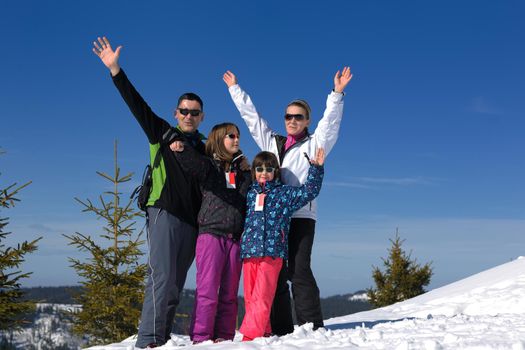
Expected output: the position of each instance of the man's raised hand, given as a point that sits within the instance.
(229, 78)
(103, 50)
(341, 80)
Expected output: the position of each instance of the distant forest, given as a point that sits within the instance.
(52, 295)
(338, 305)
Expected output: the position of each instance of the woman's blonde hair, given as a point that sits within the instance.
(215, 143)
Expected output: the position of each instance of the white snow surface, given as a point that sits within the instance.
(484, 311)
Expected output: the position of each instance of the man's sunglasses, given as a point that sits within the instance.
(192, 112)
(297, 117)
(233, 136)
(267, 169)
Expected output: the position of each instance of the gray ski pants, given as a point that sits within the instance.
(171, 245)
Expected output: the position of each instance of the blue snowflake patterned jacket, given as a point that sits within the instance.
(266, 232)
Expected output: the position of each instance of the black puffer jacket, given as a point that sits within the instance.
(223, 209)
(172, 190)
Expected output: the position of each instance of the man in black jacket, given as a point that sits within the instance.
(172, 206)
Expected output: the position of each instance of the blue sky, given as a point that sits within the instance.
(431, 140)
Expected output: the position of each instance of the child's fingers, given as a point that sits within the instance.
(320, 156)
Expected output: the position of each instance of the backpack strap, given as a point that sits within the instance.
(171, 135)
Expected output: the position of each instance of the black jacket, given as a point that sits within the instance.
(172, 190)
(223, 209)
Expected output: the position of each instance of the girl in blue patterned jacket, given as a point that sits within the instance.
(264, 242)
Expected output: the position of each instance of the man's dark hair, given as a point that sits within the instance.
(192, 97)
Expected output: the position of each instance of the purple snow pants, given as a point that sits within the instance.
(218, 272)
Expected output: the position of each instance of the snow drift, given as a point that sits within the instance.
(484, 311)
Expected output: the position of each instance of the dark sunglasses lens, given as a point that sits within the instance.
(259, 169)
(233, 136)
(270, 169)
(192, 112)
(298, 117)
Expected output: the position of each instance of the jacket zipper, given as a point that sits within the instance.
(298, 143)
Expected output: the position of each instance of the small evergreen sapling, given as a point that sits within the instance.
(12, 307)
(112, 276)
(402, 279)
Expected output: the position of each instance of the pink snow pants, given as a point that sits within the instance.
(218, 273)
(260, 282)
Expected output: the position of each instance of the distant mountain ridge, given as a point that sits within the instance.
(49, 327)
(52, 295)
(333, 306)
(345, 304)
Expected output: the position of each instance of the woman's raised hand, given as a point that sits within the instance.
(229, 78)
(341, 80)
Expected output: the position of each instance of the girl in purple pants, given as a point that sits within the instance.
(221, 221)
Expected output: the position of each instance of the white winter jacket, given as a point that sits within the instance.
(294, 165)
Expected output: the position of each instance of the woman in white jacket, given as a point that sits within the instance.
(291, 150)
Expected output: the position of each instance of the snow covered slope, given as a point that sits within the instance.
(484, 311)
(499, 290)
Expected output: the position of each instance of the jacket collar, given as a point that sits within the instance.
(237, 157)
(268, 186)
(195, 136)
(281, 141)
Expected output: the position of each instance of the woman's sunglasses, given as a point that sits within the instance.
(297, 117)
(233, 136)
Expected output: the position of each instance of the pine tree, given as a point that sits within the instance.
(113, 277)
(12, 307)
(403, 278)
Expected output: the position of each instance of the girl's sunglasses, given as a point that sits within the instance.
(267, 169)
(233, 136)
